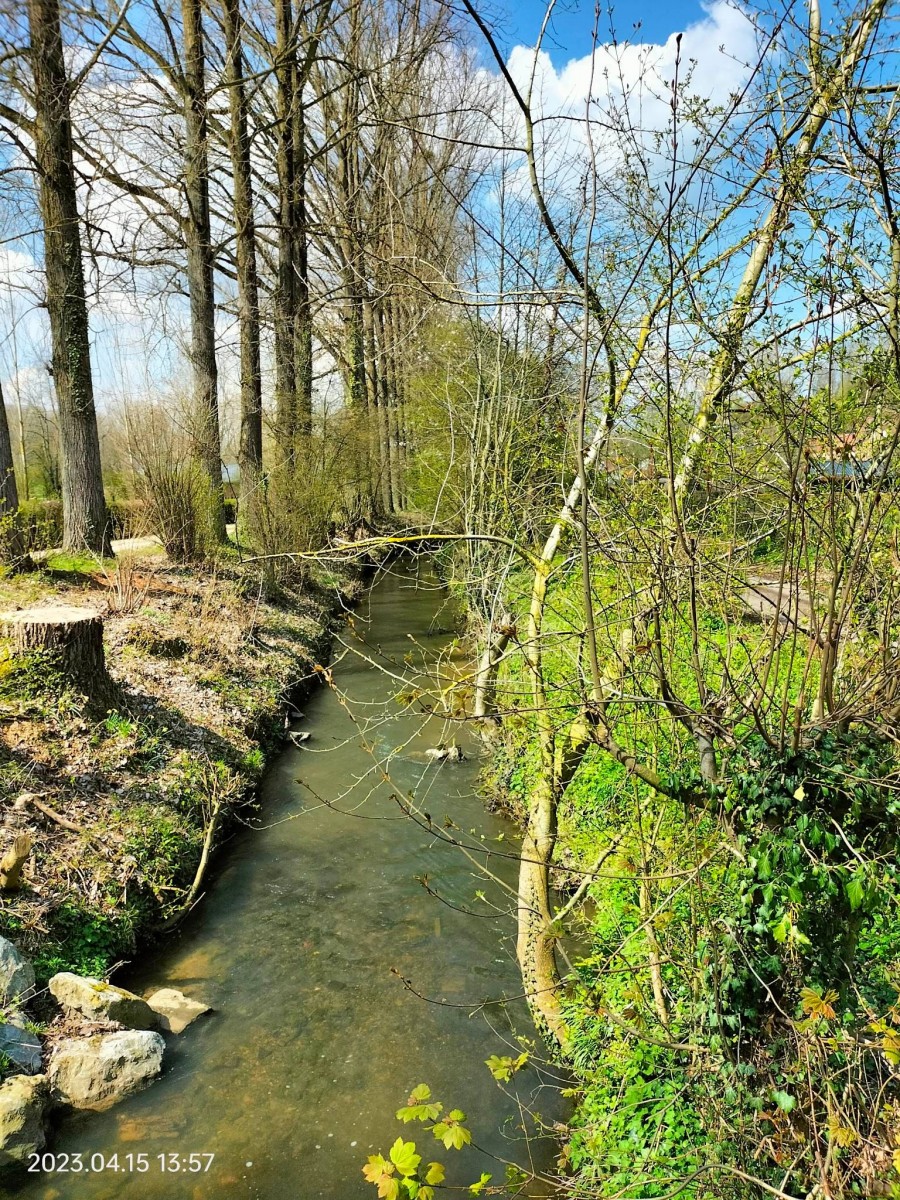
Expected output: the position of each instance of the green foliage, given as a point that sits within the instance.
(820, 837)
(639, 1124)
(402, 1172)
(420, 1106)
(80, 939)
(41, 523)
(504, 1067)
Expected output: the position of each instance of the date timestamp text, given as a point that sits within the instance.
(170, 1163)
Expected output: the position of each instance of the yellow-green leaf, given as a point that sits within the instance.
(435, 1173)
(404, 1157)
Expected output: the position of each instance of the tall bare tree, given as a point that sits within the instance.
(200, 261)
(85, 523)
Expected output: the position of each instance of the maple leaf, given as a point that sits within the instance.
(419, 1106)
(817, 1005)
(451, 1131)
(404, 1157)
(380, 1172)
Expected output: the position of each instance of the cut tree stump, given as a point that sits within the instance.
(13, 861)
(74, 636)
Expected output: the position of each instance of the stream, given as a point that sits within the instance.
(313, 1043)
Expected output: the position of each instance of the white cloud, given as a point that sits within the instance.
(630, 92)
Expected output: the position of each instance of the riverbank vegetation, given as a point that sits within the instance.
(624, 341)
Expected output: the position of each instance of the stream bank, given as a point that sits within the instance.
(118, 801)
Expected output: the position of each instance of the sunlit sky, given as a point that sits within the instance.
(573, 21)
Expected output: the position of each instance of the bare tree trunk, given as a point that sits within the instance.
(389, 404)
(392, 307)
(85, 520)
(11, 541)
(250, 453)
(373, 440)
(285, 297)
(303, 331)
(198, 243)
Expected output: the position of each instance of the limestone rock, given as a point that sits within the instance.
(23, 1099)
(102, 1001)
(95, 1072)
(16, 974)
(23, 1047)
(175, 1010)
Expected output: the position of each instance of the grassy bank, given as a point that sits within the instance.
(733, 1002)
(119, 796)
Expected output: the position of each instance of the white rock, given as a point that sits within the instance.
(175, 1010)
(445, 754)
(16, 974)
(23, 1099)
(102, 1001)
(95, 1072)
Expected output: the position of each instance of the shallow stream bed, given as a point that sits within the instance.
(314, 1042)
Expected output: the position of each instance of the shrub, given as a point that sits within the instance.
(129, 518)
(178, 505)
(42, 524)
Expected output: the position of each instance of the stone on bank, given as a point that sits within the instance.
(16, 974)
(95, 1072)
(23, 1101)
(101, 1001)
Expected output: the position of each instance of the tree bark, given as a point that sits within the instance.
(13, 861)
(85, 519)
(250, 453)
(199, 253)
(303, 331)
(73, 636)
(285, 297)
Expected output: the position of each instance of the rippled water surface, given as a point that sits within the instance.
(314, 1042)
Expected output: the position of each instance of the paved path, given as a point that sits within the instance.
(769, 600)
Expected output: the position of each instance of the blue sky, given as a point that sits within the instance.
(520, 22)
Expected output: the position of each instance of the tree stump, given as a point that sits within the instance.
(12, 863)
(74, 636)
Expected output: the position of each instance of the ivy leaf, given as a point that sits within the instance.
(380, 1172)
(477, 1188)
(419, 1106)
(435, 1173)
(785, 1101)
(404, 1157)
(856, 890)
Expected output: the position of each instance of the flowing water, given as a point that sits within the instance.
(313, 1042)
